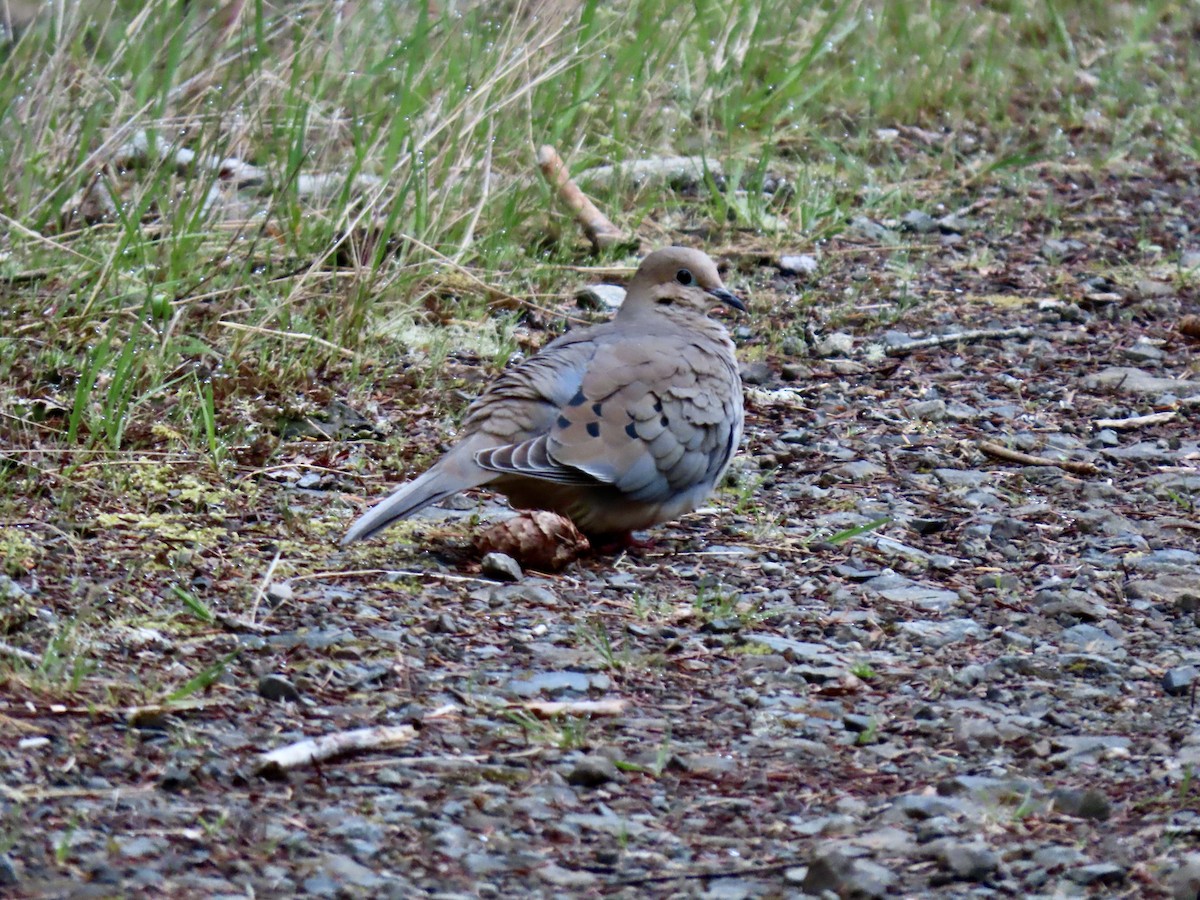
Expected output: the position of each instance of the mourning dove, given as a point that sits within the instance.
(618, 426)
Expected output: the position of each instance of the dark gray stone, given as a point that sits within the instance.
(967, 861)
(832, 869)
(1082, 804)
(592, 771)
(919, 222)
(278, 688)
(1107, 874)
(1179, 680)
(501, 567)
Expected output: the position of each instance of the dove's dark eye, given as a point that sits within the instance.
(684, 277)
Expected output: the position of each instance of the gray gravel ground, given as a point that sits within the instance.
(987, 691)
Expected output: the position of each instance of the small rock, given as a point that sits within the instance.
(347, 871)
(919, 222)
(10, 590)
(278, 688)
(566, 878)
(501, 567)
(966, 861)
(860, 471)
(1092, 640)
(952, 226)
(1130, 380)
(1082, 804)
(756, 372)
(1057, 856)
(1189, 260)
(1098, 873)
(1179, 680)
(592, 771)
(941, 633)
(872, 231)
(280, 592)
(1144, 351)
(600, 296)
(551, 684)
(837, 344)
(8, 871)
(831, 869)
(846, 367)
(859, 724)
(1055, 250)
(928, 410)
(923, 806)
(800, 264)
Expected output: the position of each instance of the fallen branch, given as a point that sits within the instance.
(1135, 421)
(546, 709)
(328, 746)
(1025, 459)
(289, 335)
(960, 337)
(17, 653)
(599, 230)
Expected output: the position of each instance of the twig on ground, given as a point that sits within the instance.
(8, 649)
(263, 585)
(599, 230)
(328, 746)
(546, 709)
(291, 335)
(1132, 422)
(960, 337)
(395, 573)
(1025, 459)
(734, 872)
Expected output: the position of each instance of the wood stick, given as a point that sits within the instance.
(327, 746)
(961, 337)
(8, 649)
(1135, 421)
(599, 230)
(545, 709)
(1069, 465)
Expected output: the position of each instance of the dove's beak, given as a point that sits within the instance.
(729, 299)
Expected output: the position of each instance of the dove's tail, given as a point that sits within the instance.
(451, 474)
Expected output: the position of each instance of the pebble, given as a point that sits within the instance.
(551, 684)
(1088, 803)
(836, 344)
(756, 372)
(919, 222)
(872, 231)
(280, 592)
(278, 688)
(1108, 874)
(600, 296)
(566, 878)
(941, 633)
(928, 410)
(832, 869)
(592, 771)
(10, 590)
(501, 567)
(968, 861)
(1179, 680)
(799, 264)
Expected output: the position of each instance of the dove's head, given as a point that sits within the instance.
(678, 282)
